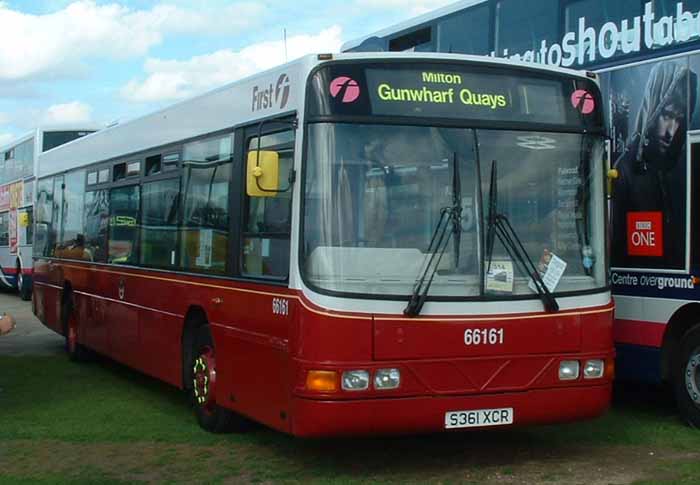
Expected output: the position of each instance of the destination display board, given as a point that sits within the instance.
(455, 91)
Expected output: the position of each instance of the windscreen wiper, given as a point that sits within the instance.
(500, 227)
(438, 244)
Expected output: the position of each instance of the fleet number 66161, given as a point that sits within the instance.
(484, 336)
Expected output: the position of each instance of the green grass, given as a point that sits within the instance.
(99, 422)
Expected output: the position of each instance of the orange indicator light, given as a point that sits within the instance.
(322, 381)
(610, 368)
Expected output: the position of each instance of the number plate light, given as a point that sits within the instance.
(355, 380)
(387, 379)
(569, 370)
(594, 369)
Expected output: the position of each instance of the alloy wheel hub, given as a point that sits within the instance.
(692, 376)
(204, 379)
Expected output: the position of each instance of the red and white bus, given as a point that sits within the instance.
(346, 244)
(18, 161)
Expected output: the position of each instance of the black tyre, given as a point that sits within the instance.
(24, 285)
(76, 351)
(686, 380)
(202, 390)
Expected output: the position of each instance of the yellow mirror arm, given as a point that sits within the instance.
(613, 175)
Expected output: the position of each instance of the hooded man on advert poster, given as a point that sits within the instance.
(649, 196)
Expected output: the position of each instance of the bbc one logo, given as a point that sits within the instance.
(274, 95)
(645, 234)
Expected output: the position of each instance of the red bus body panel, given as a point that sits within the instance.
(137, 317)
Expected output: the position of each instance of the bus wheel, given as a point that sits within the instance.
(687, 378)
(23, 285)
(210, 415)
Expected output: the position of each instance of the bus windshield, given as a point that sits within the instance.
(374, 195)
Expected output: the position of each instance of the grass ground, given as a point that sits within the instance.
(62, 422)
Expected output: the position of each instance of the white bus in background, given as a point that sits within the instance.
(18, 166)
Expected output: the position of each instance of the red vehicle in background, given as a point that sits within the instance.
(344, 245)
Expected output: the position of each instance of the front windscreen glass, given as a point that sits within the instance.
(549, 188)
(374, 195)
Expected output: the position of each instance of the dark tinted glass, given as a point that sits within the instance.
(57, 215)
(206, 181)
(267, 219)
(418, 40)
(71, 237)
(123, 225)
(97, 225)
(522, 26)
(44, 214)
(52, 139)
(670, 7)
(5, 229)
(466, 32)
(159, 223)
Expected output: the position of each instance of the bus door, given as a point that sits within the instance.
(264, 259)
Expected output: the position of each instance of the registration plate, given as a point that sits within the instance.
(478, 418)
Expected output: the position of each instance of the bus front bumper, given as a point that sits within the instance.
(424, 414)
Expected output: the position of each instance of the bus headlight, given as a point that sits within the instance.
(568, 370)
(594, 369)
(355, 380)
(387, 379)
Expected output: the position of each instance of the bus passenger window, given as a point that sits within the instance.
(153, 165)
(43, 243)
(96, 225)
(5, 229)
(71, 240)
(119, 171)
(159, 223)
(205, 187)
(265, 244)
(123, 225)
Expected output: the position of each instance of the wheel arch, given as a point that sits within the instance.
(195, 318)
(685, 318)
(66, 304)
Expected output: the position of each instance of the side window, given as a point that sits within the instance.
(266, 223)
(205, 224)
(5, 229)
(123, 225)
(26, 232)
(44, 214)
(56, 217)
(96, 225)
(159, 211)
(72, 239)
(465, 32)
(522, 26)
(418, 41)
